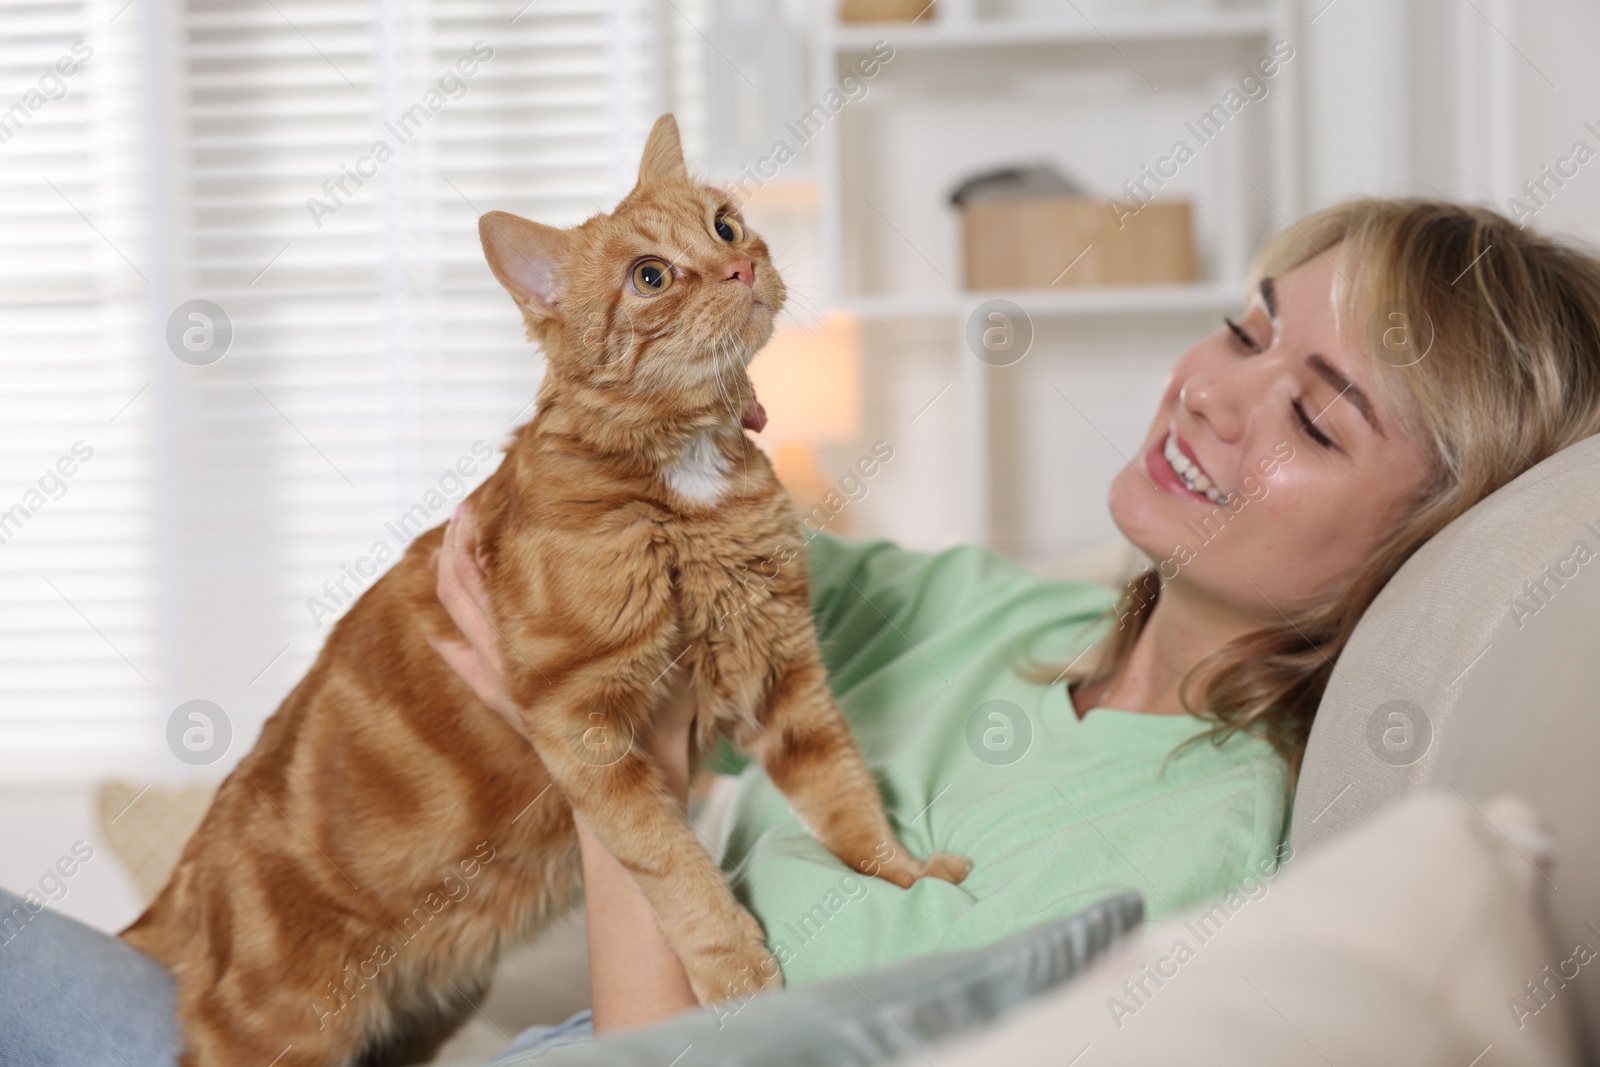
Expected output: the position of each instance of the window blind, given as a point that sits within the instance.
(79, 670)
(326, 161)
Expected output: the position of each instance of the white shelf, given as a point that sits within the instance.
(1055, 303)
(979, 33)
(965, 58)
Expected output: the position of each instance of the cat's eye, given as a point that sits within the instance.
(728, 228)
(651, 277)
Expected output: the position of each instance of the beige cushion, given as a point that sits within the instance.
(1501, 691)
(1399, 943)
(147, 826)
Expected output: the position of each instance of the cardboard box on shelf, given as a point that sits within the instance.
(1039, 242)
(886, 11)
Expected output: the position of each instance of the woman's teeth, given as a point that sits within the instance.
(1189, 474)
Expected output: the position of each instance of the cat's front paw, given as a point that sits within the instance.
(735, 971)
(943, 865)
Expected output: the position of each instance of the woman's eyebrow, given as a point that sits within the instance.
(1334, 377)
(1269, 297)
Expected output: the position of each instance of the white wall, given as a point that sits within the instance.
(1455, 99)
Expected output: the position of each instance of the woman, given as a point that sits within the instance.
(1396, 362)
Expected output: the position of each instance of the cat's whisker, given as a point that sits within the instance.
(810, 309)
(716, 370)
(744, 457)
(736, 403)
(784, 268)
(797, 289)
(803, 308)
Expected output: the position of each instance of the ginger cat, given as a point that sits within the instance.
(358, 874)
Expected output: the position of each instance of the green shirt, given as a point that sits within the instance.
(1054, 813)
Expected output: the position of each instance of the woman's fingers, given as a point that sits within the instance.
(485, 683)
(461, 591)
(463, 533)
(460, 586)
(468, 619)
(461, 659)
(466, 521)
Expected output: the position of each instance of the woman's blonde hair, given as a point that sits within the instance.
(1507, 326)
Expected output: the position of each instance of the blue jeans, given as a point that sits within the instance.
(71, 996)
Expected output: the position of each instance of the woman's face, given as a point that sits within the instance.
(1280, 416)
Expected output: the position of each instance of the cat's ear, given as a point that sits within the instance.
(526, 257)
(663, 154)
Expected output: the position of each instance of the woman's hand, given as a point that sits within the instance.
(460, 589)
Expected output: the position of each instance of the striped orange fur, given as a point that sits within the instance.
(358, 874)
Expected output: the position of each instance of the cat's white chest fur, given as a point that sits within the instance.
(700, 472)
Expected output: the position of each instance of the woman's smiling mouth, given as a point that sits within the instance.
(1178, 473)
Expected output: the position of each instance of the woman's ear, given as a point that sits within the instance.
(663, 154)
(526, 257)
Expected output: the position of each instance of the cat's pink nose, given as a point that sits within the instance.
(744, 271)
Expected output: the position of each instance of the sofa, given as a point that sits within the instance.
(1439, 900)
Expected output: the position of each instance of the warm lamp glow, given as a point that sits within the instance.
(809, 380)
